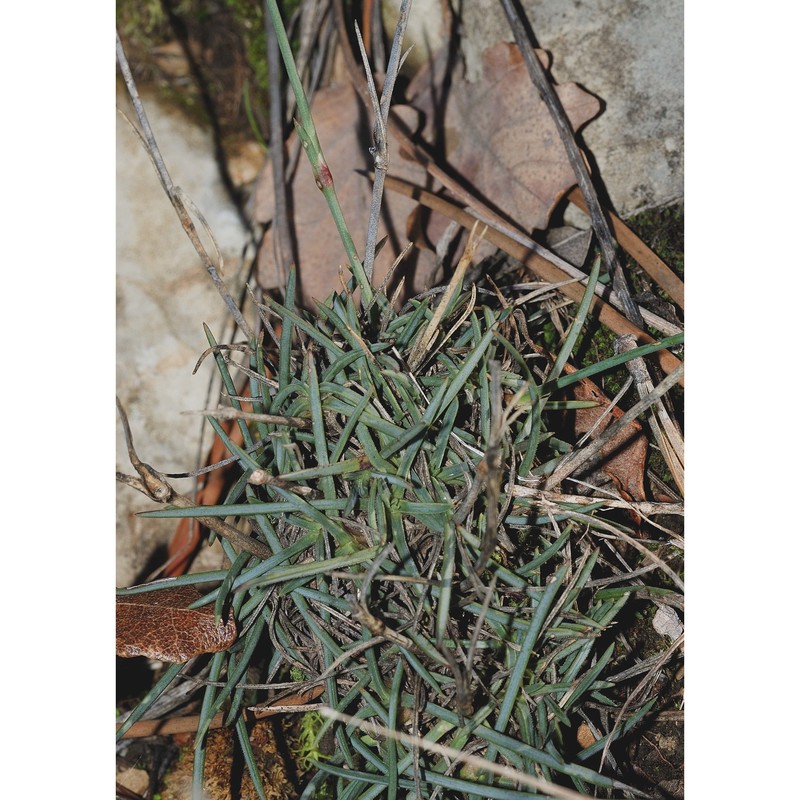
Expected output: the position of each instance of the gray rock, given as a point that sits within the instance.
(164, 296)
(629, 54)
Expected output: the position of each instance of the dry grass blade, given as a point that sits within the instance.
(476, 762)
(423, 343)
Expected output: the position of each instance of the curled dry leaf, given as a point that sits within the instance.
(160, 625)
(624, 456)
(497, 134)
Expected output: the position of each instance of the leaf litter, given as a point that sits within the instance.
(519, 167)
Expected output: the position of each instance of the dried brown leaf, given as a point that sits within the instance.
(624, 455)
(498, 135)
(159, 625)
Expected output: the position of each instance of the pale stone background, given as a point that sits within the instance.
(164, 295)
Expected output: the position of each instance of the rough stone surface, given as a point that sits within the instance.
(630, 54)
(163, 296)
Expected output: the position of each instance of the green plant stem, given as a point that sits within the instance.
(308, 137)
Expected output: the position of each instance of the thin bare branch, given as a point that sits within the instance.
(380, 150)
(176, 196)
(576, 159)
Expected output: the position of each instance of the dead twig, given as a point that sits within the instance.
(189, 724)
(176, 195)
(380, 148)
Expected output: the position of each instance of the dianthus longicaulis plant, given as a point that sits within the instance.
(378, 467)
(390, 556)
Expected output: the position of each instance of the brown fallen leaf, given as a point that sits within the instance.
(624, 456)
(497, 134)
(159, 625)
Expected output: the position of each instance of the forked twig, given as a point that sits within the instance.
(380, 148)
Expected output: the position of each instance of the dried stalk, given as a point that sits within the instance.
(176, 195)
(551, 100)
(380, 150)
(475, 762)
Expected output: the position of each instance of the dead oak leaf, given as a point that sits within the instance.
(498, 135)
(160, 625)
(624, 455)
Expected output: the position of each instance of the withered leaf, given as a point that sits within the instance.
(159, 625)
(498, 135)
(624, 456)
